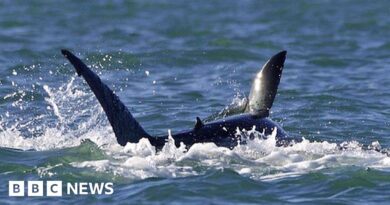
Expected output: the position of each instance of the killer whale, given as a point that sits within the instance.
(254, 114)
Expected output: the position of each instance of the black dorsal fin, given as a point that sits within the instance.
(199, 124)
(125, 127)
(265, 86)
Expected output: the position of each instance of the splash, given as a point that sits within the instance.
(258, 159)
(70, 105)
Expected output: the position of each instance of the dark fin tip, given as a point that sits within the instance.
(76, 62)
(282, 53)
(280, 57)
(65, 52)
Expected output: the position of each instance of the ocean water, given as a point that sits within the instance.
(171, 61)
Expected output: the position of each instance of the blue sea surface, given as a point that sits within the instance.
(171, 61)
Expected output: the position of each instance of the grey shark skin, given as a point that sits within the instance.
(221, 132)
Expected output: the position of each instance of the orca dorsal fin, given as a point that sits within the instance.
(125, 127)
(199, 124)
(265, 86)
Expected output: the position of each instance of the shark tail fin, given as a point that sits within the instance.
(265, 86)
(125, 127)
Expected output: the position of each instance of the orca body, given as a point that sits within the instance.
(223, 132)
(253, 115)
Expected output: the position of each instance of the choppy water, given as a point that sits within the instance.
(173, 61)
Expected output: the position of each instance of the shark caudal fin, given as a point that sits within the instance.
(125, 127)
(265, 86)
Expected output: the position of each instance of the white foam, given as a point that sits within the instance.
(259, 159)
(139, 161)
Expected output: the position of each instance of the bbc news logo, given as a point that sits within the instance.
(55, 188)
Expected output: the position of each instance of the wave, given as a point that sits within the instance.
(258, 159)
